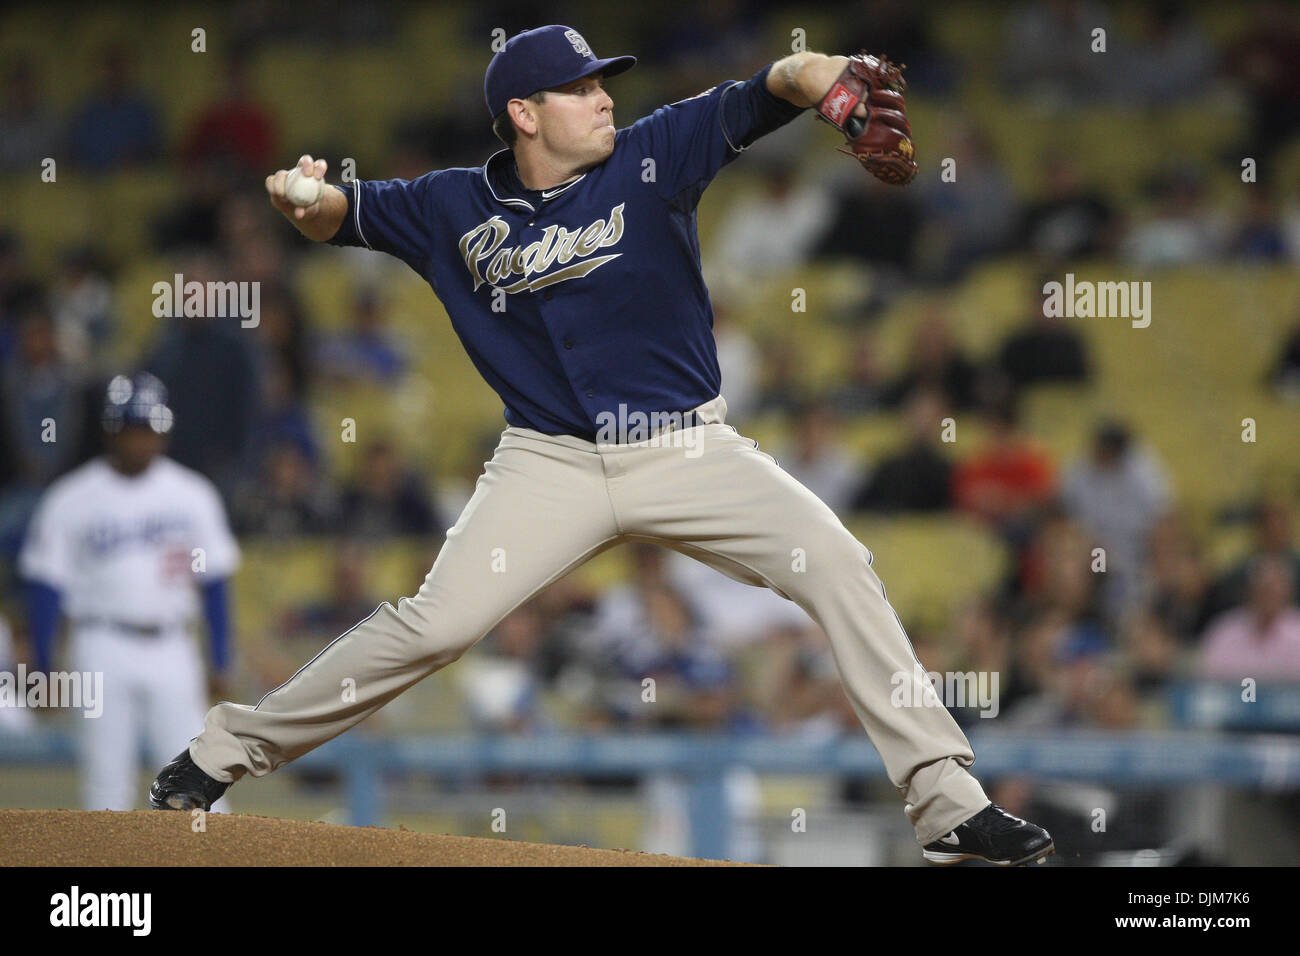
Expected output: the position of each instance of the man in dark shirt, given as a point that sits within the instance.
(919, 476)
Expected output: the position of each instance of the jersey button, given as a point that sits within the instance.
(568, 343)
(591, 394)
(548, 295)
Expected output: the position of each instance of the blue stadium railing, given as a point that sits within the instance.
(1153, 759)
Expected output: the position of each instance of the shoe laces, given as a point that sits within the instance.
(188, 776)
(1003, 820)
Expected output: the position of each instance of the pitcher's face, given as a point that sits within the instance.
(576, 121)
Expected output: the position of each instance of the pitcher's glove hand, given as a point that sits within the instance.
(882, 141)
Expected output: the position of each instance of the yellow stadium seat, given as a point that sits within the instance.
(932, 565)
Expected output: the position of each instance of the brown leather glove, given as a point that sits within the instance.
(882, 141)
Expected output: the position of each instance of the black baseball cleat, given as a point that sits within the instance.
(181, 785)
(995, 836)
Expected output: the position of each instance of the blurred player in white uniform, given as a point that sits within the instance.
(130, 547)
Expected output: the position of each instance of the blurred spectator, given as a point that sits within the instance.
(1168, 62)
(1048, 52)
(1043, 350)
(365, 352)
(1151, 652)
(1261, 639)
(919, 476)
(817, 458)
(983, 639)
(83, 308)
(387, 497)
(872, 222)
(1078, 686)
(566, 610)
(768, 230)
(1037, 641)
(1177, 579)
(805, 695)
(1183, 230)
(1080, 683)
(254, 252)
(346, 600)
(118, 124)
(235, 129)
(1267, 62)
(619, 614)
(1274, 524)
(194, 222)
(42, 406)
(782, 379)
(1101, 693)
(864, 384)
(285, 418)
(415, 151)
(288, 497)
(903, 31)
(1054, 577)
(733, 615)
(31, 132)
(738, 360)
(441, 138)
(1259, 234)
(693, 681)
(210, 372)
(975, 215)
(284, 372)
(1285, 374)
(936, 363)
(500, 680)
(19, 290)
(1008, 480)
(282, 335)
(1118, 492)
(365, 22)
(702, 44)
(648, 629)
(1069, 220)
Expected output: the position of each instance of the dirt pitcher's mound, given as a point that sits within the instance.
(144, 838)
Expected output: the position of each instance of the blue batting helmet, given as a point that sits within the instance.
(138, 400)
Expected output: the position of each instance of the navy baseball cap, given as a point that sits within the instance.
(138, 400)
(540, 59)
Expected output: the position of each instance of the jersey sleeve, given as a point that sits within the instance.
(390, 215)
(212, 533)
(45, 554)
(692, 139)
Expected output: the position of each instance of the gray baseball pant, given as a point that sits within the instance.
(547, 503)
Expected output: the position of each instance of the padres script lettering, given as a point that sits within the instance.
(483, 244)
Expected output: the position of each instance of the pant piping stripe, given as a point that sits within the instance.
(322, 651)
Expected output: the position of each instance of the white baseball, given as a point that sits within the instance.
(303, 190)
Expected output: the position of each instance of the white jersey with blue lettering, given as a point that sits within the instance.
(129, 547)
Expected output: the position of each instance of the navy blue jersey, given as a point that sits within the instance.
(601, 302)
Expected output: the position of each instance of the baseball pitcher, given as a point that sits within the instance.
(570, 267)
